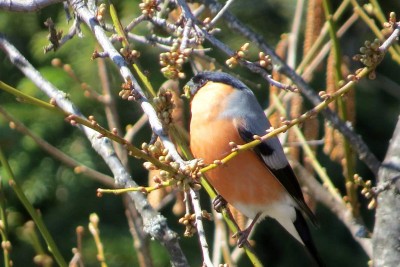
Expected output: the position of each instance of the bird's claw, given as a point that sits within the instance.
(242, 237)
(219, 203)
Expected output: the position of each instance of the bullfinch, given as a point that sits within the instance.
(258, 182)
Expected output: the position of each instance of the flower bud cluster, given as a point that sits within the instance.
(164, 106)
(157, 151)
(173, 60)
(239, 55)
(149, 7)
(189, 221)
(370, 54)
(367, 190)
(265, 61)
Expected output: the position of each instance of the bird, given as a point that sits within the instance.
(258, 182)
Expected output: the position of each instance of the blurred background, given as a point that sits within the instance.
(66, 199)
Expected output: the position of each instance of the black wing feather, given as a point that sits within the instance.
(305, 235)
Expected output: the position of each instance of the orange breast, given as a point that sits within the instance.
(245, 179)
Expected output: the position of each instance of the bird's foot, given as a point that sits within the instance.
(242, 236)
(219, 203)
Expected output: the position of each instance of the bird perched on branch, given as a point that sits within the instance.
(257, 182)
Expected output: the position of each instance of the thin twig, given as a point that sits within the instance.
(140, 239)
(325, 49)
(220, 13)
(110, 109)
(57, 154)
(132, 131)
(394, 37)
(26, 5)
(4, 230)
(318, 42)
(135, 22)
(185, 35)
(95, 231)
(73, 30)
(294, 34)
(221, 245)
(195, 197)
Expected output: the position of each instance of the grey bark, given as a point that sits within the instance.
(386, 236)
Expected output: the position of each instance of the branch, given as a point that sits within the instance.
(140, 240)
(221, 245)
(294, 34)
(221, 12)
(387, 228)
(56, 153)
(195, 196)
(323, 51)
(110, 109)
(154, 223)
(26, 5)
(73, 30)
(132, 131)
(393, 38)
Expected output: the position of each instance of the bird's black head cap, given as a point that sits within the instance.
(200, 79)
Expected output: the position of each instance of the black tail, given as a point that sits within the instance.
(301, 226)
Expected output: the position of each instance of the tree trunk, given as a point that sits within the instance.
(386, 237)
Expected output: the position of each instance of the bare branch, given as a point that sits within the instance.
(110, 109)
(185, 34)
(221, 12)
(140, 240)
(135, 22)
(74, 30)
(65, 159)
(387, 227)
(221, 245)
(195, 196)
(307, 73)
(294, 34)
(135, 128)
(391, 40)
(26, 5)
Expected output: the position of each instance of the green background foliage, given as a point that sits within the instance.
(66, 199)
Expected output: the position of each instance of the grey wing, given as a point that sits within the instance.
(271, 153)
